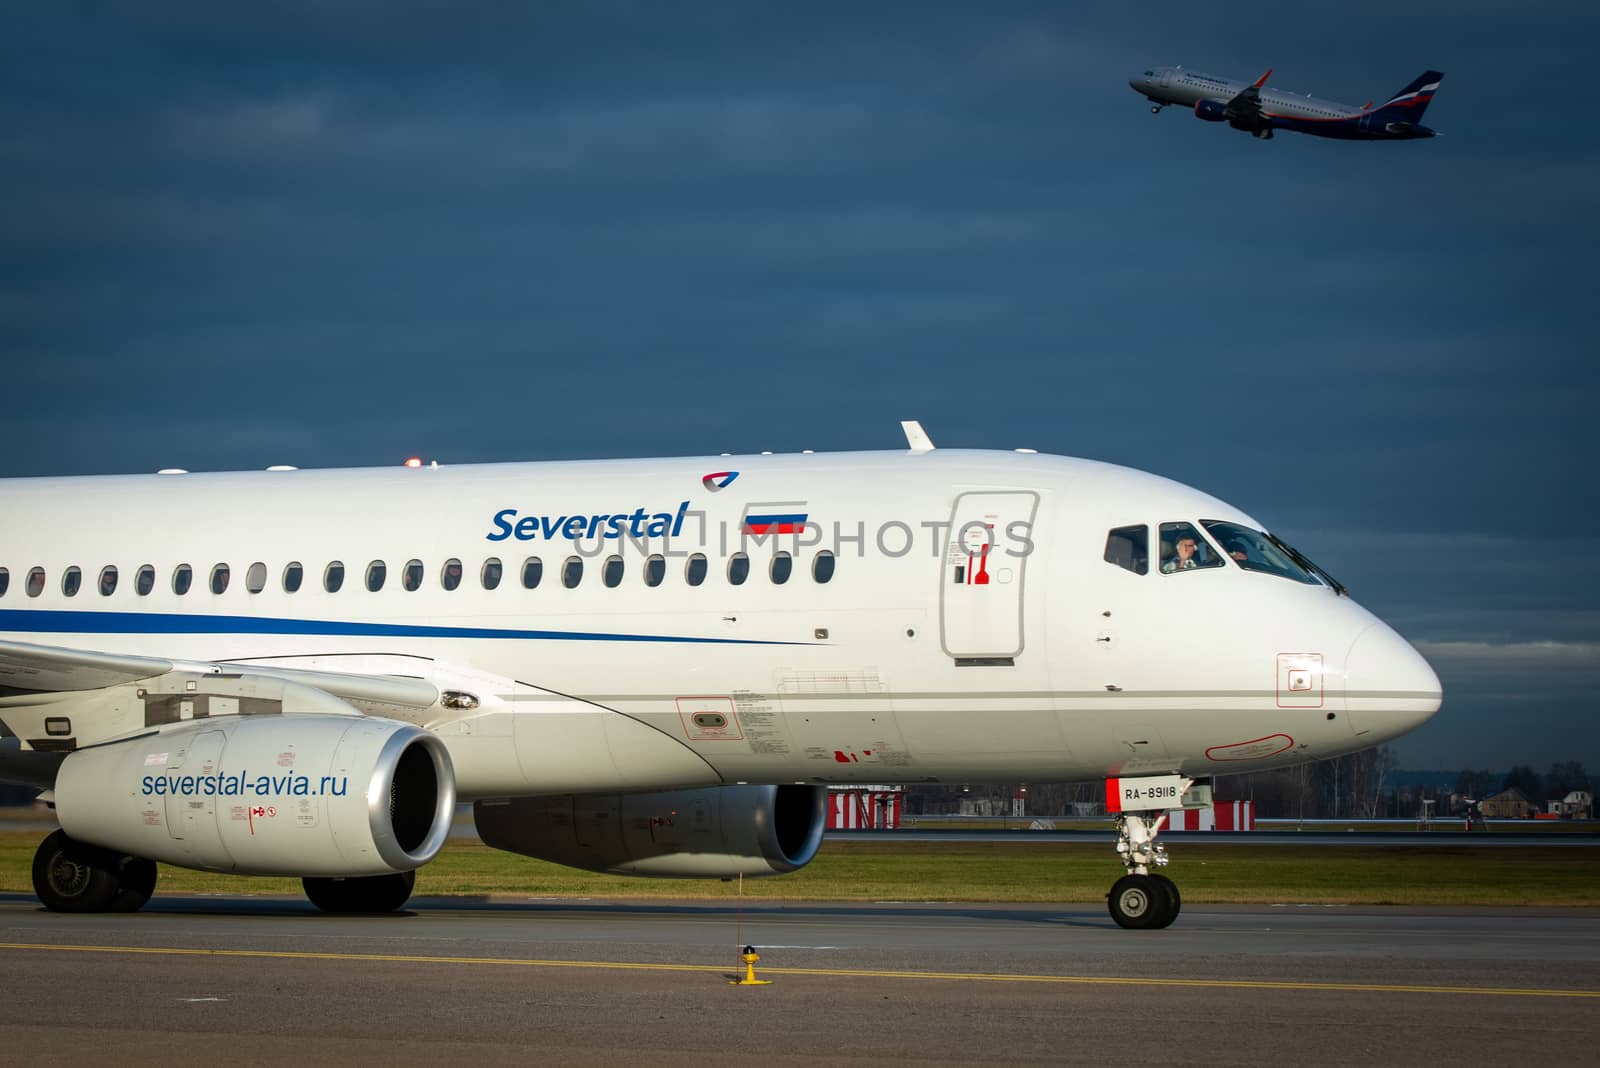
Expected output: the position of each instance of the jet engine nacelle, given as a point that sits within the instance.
(304, 795)
(1211, 111)
(718, 832)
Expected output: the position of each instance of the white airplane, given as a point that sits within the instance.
(652, 667)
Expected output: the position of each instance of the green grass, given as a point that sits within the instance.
(1004, 871)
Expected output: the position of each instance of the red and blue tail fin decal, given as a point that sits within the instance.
(1409, 103)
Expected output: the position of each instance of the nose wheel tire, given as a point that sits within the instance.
(1174, 899)
(1143, 902)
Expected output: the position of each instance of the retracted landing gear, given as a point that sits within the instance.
(1265, 134)
(72, 876)
(374, 893)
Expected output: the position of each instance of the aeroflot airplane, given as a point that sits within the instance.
(1248, 106)
(651, 667)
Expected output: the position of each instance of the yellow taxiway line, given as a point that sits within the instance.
(846, 973)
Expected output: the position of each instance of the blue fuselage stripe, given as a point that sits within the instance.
(18, 620)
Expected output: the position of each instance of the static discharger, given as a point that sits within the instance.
(749, 956)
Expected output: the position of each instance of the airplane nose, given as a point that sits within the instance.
(1389, 688)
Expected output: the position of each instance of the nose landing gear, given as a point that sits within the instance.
(1141, 899)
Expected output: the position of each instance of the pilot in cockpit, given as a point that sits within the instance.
(1185, 558)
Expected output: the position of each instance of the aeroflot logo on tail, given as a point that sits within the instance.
(508, 523)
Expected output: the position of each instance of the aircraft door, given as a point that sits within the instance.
(981, 575)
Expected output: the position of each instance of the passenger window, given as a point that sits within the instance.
(612, 574)
(694, 569)
(1129, 548)
(450, 574)
(255, 577)
(182, 579)
(293, 576)
(108, 580)
(655, 570)
(219, 578)
(490, 576)
(782, 568)
(532, 573)
(572, 572)
(144, 580)
(35, 582)
(377, 571)
(333, 577)
(71, 582)
(411, 577)
(1183, 549)
(738, 569)
(822, 566)
(5, 581)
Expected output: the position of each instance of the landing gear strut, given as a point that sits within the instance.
(72, 876)
(1139, 899)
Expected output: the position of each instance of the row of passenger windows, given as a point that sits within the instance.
(413, 573)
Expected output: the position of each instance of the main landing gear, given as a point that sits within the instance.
(72, 876)
(373, 893)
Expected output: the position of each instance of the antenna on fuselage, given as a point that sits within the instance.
(917, 439)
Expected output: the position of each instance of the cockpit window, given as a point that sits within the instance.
(1183, 549)
(1256, 551)
(1129, 548)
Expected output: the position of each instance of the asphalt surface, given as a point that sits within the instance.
(268, 980)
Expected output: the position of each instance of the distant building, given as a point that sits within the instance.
(1578, 805)
(1508, 805)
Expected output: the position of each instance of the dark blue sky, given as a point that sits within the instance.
(342, 233)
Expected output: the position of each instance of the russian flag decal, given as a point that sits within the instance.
(775, 517)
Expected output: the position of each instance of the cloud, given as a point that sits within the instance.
(1493, 655)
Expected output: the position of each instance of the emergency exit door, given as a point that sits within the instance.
(981, 578)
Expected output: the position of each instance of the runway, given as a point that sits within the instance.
(571, 981)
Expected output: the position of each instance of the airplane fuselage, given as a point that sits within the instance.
(943, 616)
(1282, 110)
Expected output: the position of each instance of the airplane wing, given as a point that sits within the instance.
(26, 669)
(54, 700)
(1244, 110)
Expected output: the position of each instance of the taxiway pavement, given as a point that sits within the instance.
(269, 980)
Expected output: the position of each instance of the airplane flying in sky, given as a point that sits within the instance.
(652, 667)
(1249, 106)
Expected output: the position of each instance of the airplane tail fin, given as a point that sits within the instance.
(1409, 103)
